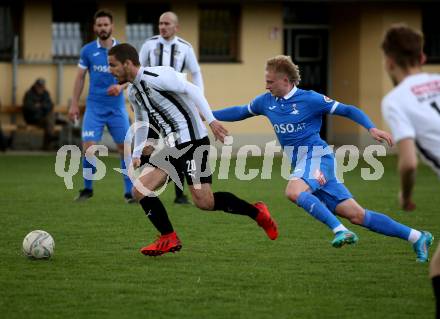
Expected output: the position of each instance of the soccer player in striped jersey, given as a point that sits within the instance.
(296, 116)
(168, 49)
(162, 94)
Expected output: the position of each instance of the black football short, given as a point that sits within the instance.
(194, 163)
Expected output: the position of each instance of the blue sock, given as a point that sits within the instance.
(314, 207)
(385, 225)
(127, 182)
(87, 176)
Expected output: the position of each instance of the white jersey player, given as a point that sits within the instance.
(411, 109)
(167, 49)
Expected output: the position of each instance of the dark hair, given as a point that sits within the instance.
(404, 45)
(123, 52)
(103, 13)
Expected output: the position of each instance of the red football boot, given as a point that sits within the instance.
(169, 243)
(265, 221)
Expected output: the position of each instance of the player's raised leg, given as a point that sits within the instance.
(298, 192)
(205, 199)
(385, 225)
(168, 241)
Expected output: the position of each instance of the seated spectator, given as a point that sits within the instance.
(38, 110)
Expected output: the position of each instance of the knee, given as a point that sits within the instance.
(204, 203)
(139, 194)
(136, 194)
(88, 150)
(292, 195)
(357, 217)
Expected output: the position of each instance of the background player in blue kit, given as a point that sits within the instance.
(296, 116)
(105, 102)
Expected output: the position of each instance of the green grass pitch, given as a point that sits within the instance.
(227, 267)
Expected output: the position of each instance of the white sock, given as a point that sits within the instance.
(414, 235)
(339, 228)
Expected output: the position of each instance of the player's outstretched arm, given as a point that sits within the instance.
(357, 115)
(233, 113)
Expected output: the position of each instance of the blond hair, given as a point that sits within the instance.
(282, 64)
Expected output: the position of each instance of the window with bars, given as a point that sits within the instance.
(431, 32)
(219, 33)
(72, 27)
(142, 22)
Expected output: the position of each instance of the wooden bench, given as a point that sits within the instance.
(8, 115)
(16, 119)
(12, 121)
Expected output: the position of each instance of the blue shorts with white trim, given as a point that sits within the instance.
(116, 121)
(319, 174)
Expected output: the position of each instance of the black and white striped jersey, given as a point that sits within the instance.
(177, 53)
(172, 102)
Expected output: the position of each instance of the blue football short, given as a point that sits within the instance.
(115, 119)
(319, 172)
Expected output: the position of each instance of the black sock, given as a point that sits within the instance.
(436, 286)
(230, 203)
(157, 214)
(179, 192)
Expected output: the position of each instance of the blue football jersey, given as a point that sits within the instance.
(93, 57)
(296, 118)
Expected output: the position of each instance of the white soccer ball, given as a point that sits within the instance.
(38, 244)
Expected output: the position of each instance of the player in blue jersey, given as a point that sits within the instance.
(105, 103)
(296, 116)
